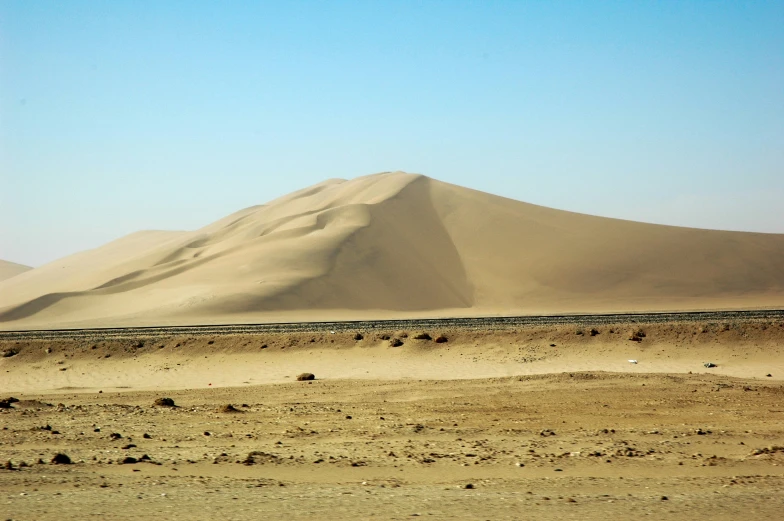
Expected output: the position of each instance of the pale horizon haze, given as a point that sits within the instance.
(122, 116)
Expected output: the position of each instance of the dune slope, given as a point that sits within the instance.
(11, 269)
(395, 244)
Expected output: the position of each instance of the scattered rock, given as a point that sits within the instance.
(358, 336)
(769, 375)
(594, 331)
(637, 336)
(115, 436)
(422, 336)
(395, 342)
(665, 498)
(146, 436)
(303, 377)
(773, 449)
(228, 408)
(128, 460)
(709, 364)
(6, 402)
(129, 446)
(547, 432)
(259, 457)
(61, 459)
(440, 339)
(384, 336)
(8, 353)
(468, 486)
(164, 402)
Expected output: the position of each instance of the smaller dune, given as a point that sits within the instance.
(11, 269)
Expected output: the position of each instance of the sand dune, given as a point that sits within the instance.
(11, 269)
(396, 244)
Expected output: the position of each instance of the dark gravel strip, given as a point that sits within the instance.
(478, 323)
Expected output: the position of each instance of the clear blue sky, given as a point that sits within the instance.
(119, 116)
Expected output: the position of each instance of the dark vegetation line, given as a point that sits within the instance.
(478, 323)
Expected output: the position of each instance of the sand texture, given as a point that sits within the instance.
(393, 245)
(587, 446)
(11, 269)
(543, 422)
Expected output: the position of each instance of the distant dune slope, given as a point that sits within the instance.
(11, 269)
(396, 244)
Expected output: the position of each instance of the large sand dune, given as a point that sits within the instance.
(11, 269)
(396, 244)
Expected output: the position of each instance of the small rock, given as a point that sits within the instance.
(395, 342)
(303, 377)
(228, 408)
(128, 460)
(468, 486)
(358, 336)
(422, 336)
(61, 459)
(440, 339)
(164, 402)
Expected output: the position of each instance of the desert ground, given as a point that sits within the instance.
(540, 422)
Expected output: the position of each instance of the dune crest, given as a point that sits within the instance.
(395, 244)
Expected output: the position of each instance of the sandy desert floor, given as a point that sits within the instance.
(539, 423)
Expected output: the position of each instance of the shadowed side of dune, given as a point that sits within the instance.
(517, 254)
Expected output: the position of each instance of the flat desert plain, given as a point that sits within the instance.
(537, 422)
